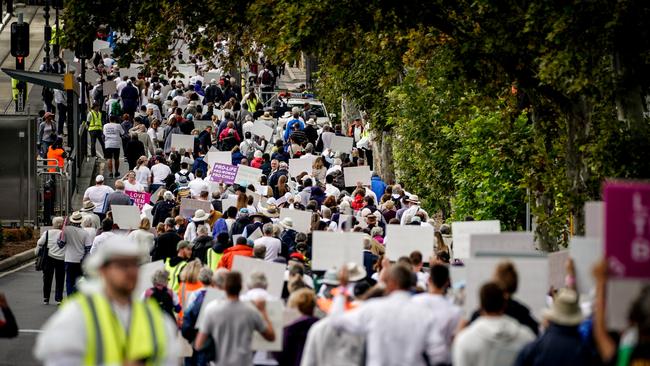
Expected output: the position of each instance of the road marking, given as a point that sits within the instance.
(30, 331)
(3, 274)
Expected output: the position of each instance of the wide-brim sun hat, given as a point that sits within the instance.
(200, 215)
(287, 222)
(87, 206)
(331, 277)
(271, 212)
(76, 217)
(356, 272)
(565, 309)
(413, 199)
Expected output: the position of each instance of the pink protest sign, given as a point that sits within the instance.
(139, 198)
(627, 229)
(223, 173)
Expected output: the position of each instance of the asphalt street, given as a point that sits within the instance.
(23, 291)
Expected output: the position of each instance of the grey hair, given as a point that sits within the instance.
(257, 280)
(57, 222)
(377, 230)
(267, 229)
(205, 276)
(87, 222)
(219, 277)
(367, 243)
(202, 230)
(170, 222)
(160, 277)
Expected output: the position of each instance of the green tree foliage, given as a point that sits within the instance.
(437, 74)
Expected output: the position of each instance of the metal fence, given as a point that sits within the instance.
(53, 196)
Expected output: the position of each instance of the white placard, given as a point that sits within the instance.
(109, 88)
(189, 207)
(145, 273)
(533, 281)
(506, 242)
(68, 56)
(275, 311)
(356, 174)
(301, 219)
(557, 268)
(256, 197)
(297, 166)
(212, 297)
(585, 252)
(208, 76)
(91, 77)
(219, 113)
(126, 217)
(460, 233)
(260, 129)
(130, 72)
(228, 202)
(595, 219)
(187, 70)
(341, 144)
(403, 240)
(332, 249)
(164, 91)
(458, 275)
(247, 175)
(255, 235)
(221, 157)
(202, 124)
(620, 295)
(274, 273)
(182, 141)
(98, 44)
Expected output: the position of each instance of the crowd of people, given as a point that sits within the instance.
(378, 312)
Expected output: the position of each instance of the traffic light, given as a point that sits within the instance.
(20, 39)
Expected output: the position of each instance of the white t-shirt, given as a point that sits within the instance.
(273, 247)
(97, 195)
(198, 185)
(113, 135)
(160, 171)
(136, 187)
(142, 175)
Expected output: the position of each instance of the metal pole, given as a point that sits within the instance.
(21, 85)
(527, 209)
(48, 36)
(82, 90)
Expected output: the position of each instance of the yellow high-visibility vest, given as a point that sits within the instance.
(108, 343)
(213, 259)
(95, 121)
(173, 273)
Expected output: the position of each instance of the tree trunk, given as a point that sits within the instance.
(578, 128)
(382, 152)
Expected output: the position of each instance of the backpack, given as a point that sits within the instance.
(266, 77)
(116, 108)
(164, 299)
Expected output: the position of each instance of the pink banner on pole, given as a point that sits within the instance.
(627, 229)
(139, 198)
(223, 173)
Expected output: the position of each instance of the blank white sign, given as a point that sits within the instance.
(262, 130)
(221, 157)
(356, 174)
(403, 240)
(460, 232)
(620, 295)
(126, 217)
(275, 311)
(274, 273)
(98, 44)
(506, 242)
(333, 249)
(297, 166)
(109, 88)
(182, 141)
(533, 281)
(145, 274)
(557, 268)
(342, 144)
(585, 252)
(595, 219)
(301, 219)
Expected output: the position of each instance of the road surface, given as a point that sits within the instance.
(23, 289)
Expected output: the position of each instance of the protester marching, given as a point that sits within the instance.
(228, 228)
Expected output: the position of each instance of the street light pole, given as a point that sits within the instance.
(48, 36)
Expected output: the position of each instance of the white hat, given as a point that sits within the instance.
(76, 217)
(413, 199)
(99, 178)
(566, 309)
(287, 222)
(168, 196)
(87, 206)
(311, 122)
(116, 246)
(356, 272)
(200, 215)
(258, 154)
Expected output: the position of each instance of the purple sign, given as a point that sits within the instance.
(627, 229)
(223, 173)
